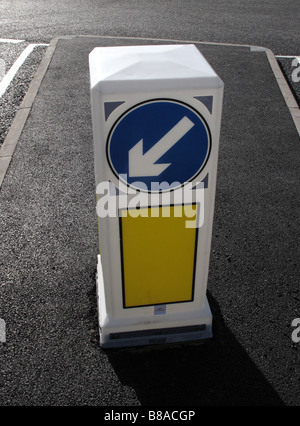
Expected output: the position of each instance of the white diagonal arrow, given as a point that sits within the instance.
(141, 164)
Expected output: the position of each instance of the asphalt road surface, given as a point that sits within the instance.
(253, 288)
(271, 23)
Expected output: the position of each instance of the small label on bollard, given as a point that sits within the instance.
(160, 309)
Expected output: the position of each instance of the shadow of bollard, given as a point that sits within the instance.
(218, 372)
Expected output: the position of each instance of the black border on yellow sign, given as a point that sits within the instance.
(122, 259)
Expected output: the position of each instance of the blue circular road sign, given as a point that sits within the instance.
(158, 141)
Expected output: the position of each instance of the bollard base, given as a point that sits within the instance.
(118, 333)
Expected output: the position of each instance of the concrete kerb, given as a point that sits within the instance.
(11, 140)
(283, 85)
(285, 89)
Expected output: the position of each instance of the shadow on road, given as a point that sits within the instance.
(217, 372)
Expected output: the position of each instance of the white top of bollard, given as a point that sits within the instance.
(151, 67)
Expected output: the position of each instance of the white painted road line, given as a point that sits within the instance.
(10, 40)
(7, 79)
(2, 68)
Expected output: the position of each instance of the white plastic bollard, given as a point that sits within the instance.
(156, 114)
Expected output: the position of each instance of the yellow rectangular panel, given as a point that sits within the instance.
(158, 255)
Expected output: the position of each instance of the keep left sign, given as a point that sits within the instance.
(158, 141)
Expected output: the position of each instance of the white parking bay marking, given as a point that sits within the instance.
(7, 79)
(10, 40)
